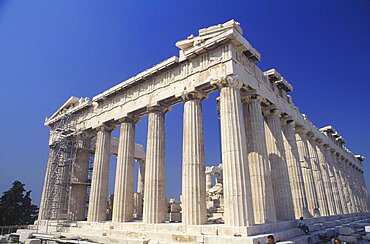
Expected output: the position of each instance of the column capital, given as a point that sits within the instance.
(229, 81)
(319, 141)
(287, 120)
(157, 108)
(252, 98)
(311, 136)
(193, 95)
(299, 129)
(271, 110)
(129, 119)
(106, 128)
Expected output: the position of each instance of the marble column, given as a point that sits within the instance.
(259, 167)
(123, 205)
(79, 180)
(237, 191)
(334, 181)
(279, 170)
(304, 159)
(139, 196)
(354, 188)
(317, 175)
(45, 203)
(141, 177)
(294, 169)
(155, 207)
(350, 200)
(324, 166)
(194, 209)
(97, 211)
(341, 184)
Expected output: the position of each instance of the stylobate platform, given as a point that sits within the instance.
(137, 232)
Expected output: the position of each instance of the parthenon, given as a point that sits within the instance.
(276, 164)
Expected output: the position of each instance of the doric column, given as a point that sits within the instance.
(141, 177)
(79, 180)
(334, 181)
(317, 175)
(354, 192)
(259, 167)
(326, 177)
(194, 209)
(236, 187)
(140, 188)
(351, 195)
(304, 158)
(45, 203)
(123, 205)
(365, 192)
(99, 183)
(344, 192)
(294, 169)
(279, 170)
(155, 207)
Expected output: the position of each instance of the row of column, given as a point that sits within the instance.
(273, 168)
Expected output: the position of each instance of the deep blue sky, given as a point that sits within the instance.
(50, 50)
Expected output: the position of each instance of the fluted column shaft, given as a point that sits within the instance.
(326, 178)
(365, 195)
(80, 174)
(99, 183)
(259, 167)
(294, 170)
(351, 195)
(355, 188)
(123, 206)
(304, 158)
(237, 193)
(45, 204)
(317, 175)
(279, 170)
(155, 207)
(194, 210)
(334, 181)
(141, 177)
(342, 188)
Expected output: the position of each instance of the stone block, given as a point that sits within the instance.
(347, 239)
(32, 241)
(367, 229)
(346, 231)
(24, 234)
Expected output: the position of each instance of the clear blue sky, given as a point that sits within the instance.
(50, 50)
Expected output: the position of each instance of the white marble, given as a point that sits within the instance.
(237, 191)
(155, 207)
(194, 211)
(259, 166)
(99, 183)
(123, 206)
(282, 192)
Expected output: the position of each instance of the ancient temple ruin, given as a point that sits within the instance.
(276, 164)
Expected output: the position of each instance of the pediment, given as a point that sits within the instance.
(72, 104)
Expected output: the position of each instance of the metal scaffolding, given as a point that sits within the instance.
(63, 150)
